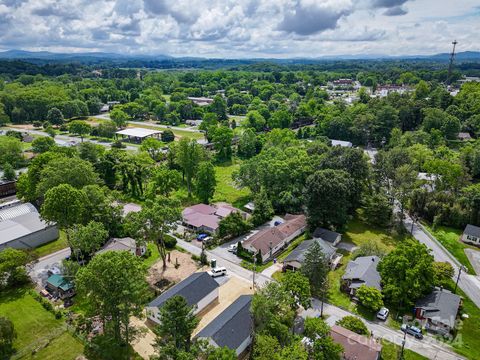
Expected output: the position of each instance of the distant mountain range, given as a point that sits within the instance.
(104, 56)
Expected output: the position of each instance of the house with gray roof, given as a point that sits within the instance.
(295, 259)
(124, 244)
(438, 310)
(232, 328)
(21, 227)
(328, 235)
(471, 234)
(199, 290)
(361, 271)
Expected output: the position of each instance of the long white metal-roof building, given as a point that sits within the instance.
(138, 134)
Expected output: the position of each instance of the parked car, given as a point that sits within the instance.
(412, 330)
(278, 222)
(201, 237)
(219, 271)
(382, 314)
(232, 248)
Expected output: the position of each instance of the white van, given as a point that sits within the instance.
(219, 271)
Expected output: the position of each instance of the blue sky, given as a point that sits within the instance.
(241, 28)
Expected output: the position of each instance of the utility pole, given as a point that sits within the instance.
(461, 268)
(450, 65)
(403, 344)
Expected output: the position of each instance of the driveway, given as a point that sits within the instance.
(38, 270)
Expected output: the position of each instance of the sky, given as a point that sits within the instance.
(242, 28)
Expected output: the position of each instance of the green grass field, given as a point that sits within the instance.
(226, 189)
(390, 351)
(450, 239)
(37, 327)
(52, 246)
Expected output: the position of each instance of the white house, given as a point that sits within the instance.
(471, 234)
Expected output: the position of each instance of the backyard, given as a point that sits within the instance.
(450, 239)
(226, 189)
(37, 328)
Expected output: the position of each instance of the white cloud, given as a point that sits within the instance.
(240, 28)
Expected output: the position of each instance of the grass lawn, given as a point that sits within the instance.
(52, 246)
(390, 351)
(35, 326)
(356, 232)
(226, 189)
(154, 255)
(450, 239)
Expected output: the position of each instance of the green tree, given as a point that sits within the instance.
(8, 172)
(327, 198)
(263, 209)
(378, 210)
(7, 337)
(114, 288)
(255, 120)
(167, 136)
(443, 273)
(177, 323)
(370, 297)
(298, 286)
(407, 273)
(12, 268)
(85, 240)
(280, 119)
(247, 144)
(119, 117)
(80, 128)
(354, 324)
(219, 107)
(233, 225)
(10, 151)
(221, 353)
(153, 147)
(222, 139)
(205, 182)
(152, 224)
(315, 268)
(370, 248)
(55, 117)
(63, 205)
(188, 155)
(42, 144)
(163, 181)
(323, 347)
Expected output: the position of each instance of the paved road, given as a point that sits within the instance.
(470, 284)
(63, 140)
(428, 347)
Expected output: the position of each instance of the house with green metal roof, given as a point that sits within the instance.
(58, 286)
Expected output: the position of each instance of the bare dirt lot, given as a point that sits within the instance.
(186, 268)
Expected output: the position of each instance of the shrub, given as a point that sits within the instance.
(170, 242)
(370, 297)
(354, 324)
(37, 124)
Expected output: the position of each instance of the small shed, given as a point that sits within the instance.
(58, 286)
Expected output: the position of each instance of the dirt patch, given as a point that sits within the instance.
(143, 344)
(186, 267)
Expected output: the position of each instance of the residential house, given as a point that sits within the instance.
(438, 310)
(199, 290)
(341, 143)
(269, 242)
(206, 218)
(471, 234)
(355, 346)
(464, 136)
(21, 227)
(233, 328)
(295, 259)
(124, 244)
(59, 287)
(200, 101)
(361, 271)
(329, 236)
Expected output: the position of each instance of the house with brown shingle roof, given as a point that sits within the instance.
(355, 346)
(272, 240)
(206, 218)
